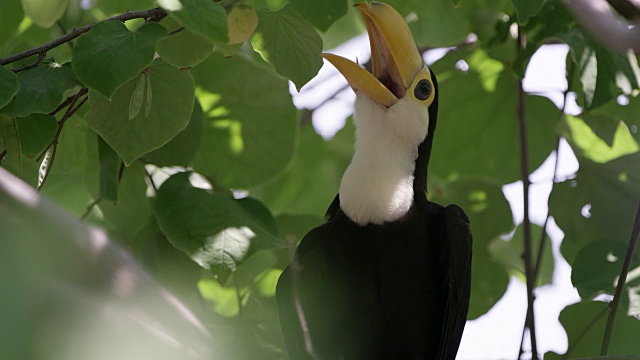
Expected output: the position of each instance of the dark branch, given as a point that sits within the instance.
(41, 56)
(526, 224)
(177, 30)
(3, 153)
(613, 305)
(155, 14)
(70, 111)
(629, 9)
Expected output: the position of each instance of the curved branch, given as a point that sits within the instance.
(597, 17)
(155, 14)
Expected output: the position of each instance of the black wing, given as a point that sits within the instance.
(457, 251)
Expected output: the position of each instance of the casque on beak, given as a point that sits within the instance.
(394, 56)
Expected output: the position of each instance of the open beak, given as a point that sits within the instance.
(394, 56)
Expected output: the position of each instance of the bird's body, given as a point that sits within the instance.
(388, 275)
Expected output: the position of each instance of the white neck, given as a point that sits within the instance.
(377, 186)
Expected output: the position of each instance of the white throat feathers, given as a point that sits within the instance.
(377, 187)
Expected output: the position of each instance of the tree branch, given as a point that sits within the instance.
(155, 14)
(613, 305)
(597, 17)
(526, 224)
(629, 9)
(70, 111)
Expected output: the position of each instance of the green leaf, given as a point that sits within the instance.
(604, 74)
(584, 323)
(10, 18)
(509, 253)
(41, 89)
(598, 204)
(131, 212)
(36, 132)
(436, 23)
(45, 13)
(527, 9)
(11, 140)
(185, 48)
(288, 43)
(599, 138)
(9, 86)
(204, 17)
(181, 150)
(65, 184)
(596, 267)
(138, 94)
(109, 55)
(321, 13)
(627, 113)
(216, 231)
(109, 171)
(490, 216)
(481, 137)
(250, 127)
(243, 21)
(172, 104)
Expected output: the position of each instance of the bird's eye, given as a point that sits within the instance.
(422, 90)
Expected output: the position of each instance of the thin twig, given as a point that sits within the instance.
(155, 14)
(63, 105)
(41, 56)
(70, 111)
(584, 332)
(90, 207)
(613, 305)
(176, 30)
(526, 224)
(150, 178)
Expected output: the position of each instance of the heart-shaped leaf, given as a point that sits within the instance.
(9, 86)
(216, 231)
(109, 54)
(171, 107)
(41, 89)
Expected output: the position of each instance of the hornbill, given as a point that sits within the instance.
(387, 276)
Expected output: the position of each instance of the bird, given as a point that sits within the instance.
(388, 274)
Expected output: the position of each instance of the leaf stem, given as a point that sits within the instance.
(155, 14)
(526, 224)
(613, 305)
(90, 207)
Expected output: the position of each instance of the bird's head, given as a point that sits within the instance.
(401, 88)
(395, 116)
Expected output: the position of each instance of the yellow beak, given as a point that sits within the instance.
(394, 56)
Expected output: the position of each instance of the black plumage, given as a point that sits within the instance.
(399, 290)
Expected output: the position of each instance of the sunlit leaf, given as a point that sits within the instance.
(481, 137)
(109, 55)
(216, 231)
(172, 104)
(599, 138)
(288, 43)
(204, 17)
(243, 21)
(250, 122)
(44, 13)
(184, 48)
